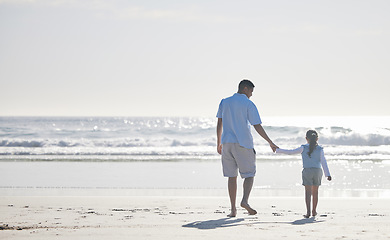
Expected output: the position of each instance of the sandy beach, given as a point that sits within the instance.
(185, 217)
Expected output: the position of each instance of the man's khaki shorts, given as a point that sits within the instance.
(236, 158)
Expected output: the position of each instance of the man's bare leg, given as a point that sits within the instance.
(232, 187)
(248, 184)
(308, 200)
(315, 200)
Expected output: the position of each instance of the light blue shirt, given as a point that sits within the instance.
(314, 161)
(238, 113)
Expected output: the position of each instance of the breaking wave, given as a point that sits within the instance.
(173, 137)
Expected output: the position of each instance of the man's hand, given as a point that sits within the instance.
(329, 178)
(273, 146)
(260, 130)
(219, 148)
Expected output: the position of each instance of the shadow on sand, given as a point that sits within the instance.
(213, 224)
(232, 222)
(306, 221)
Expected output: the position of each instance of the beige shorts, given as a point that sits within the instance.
(236, 158)
(311, 176)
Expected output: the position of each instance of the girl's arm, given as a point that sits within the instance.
(290, 152)
(325, 165)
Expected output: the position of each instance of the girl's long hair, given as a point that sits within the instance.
(312, 136)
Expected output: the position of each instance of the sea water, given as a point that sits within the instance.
(172, 152)
(165, 139)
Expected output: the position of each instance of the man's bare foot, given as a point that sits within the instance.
(233, 213)
(314, 213)
(250, 210)
(306, 216)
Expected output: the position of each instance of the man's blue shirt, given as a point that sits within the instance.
(238, 113)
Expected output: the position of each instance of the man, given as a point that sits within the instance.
(235, 142)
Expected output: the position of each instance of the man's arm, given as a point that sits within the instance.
(219, 135)
(260, 130)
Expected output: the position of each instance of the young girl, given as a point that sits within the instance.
(313, 157)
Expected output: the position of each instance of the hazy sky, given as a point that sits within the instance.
(180, 58)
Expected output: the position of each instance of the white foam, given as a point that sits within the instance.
(184, 137)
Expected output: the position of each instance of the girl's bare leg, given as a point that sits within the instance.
(308, 193)
(315, 200)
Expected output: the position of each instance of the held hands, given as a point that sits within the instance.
(273, 146)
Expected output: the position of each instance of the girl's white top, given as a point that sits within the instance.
(300, 150)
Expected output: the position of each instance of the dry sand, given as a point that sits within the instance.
(164, 217)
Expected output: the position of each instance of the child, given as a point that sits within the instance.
(313, 157)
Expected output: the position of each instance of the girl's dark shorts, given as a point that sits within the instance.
(311, 176)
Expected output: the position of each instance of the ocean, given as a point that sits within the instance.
(127, 152)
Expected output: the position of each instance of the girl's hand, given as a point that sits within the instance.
(329, 178)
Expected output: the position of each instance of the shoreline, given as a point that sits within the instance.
(282, 176)
(296, 192)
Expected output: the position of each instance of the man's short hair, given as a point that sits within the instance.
(245, 83)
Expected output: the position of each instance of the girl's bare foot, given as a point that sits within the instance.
(250, 210)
